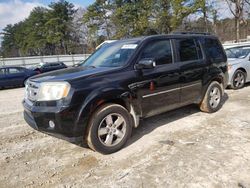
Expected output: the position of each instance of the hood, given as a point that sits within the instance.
(234, 61)
(69, 74)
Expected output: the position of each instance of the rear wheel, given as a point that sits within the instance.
(109, 129)
(239, 79)
(212, 99)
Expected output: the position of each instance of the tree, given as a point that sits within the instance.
(97, 20)
(237, 8)
(161, 16)
(59, 23)
(181, 9)
(35, 32)
(132, 17)
(9, 45)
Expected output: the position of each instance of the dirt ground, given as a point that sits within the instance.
(181, 148)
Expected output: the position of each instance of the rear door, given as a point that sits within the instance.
(159, 89)
(192, 67)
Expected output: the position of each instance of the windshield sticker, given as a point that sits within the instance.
(129, 46)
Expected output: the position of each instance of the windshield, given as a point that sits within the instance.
(238, 52)
(114, 54)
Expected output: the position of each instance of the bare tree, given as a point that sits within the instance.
(237, 8)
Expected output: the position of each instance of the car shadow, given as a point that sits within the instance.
(11, 87)
(150, 124)
(247, 84)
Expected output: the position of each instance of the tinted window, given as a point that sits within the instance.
(54, 64)
(160, 51)
(46, 66)
(188, 50)
(213, 50)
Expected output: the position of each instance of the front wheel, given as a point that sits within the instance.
(109, 128)
(212, 99)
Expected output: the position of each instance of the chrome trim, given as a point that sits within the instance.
(31, 90)
(167, 91)
(161, 92)
(190, 85)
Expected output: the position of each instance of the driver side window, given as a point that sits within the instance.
(160, 51)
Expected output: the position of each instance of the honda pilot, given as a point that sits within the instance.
(105, 97)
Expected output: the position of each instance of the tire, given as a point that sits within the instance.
(103, 134)
(212, 100)
(239, 80)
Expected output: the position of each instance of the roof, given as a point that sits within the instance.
(172, 35)
(239, 44)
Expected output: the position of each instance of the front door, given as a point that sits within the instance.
(159, 87)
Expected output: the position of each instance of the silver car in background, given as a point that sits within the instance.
(238, 65)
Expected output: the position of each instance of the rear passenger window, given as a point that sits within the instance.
(160, 51)
(214, 50)
(188, 49)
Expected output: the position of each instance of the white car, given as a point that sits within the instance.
(238, 65)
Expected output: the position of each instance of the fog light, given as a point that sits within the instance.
(51, 124)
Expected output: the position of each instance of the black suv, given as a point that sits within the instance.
(122, 82)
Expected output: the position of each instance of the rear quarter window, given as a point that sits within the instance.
(213, 50)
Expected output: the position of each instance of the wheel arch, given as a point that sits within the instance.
(242, 69)
(98, 98)
(217, 78)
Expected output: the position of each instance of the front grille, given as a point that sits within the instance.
(31, 90)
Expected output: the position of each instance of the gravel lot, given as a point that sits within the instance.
(181, 148)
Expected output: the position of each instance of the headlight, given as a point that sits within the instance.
(50, 91)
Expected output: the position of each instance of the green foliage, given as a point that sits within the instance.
(45, 31)
(52, 30)
(136, 17)
(182, 9)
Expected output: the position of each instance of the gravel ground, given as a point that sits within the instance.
(181, 148)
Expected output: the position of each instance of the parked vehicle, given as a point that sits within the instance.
(125, 81)
(14, 76)
(238, 65)
(47, 67)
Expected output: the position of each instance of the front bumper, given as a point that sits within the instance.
(64, 118)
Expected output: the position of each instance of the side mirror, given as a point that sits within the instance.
(145, 64)
(249, 58)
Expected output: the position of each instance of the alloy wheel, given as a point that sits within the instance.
(215, 97)
(112, 130)
(239, 80)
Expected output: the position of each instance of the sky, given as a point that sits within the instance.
(13, 11)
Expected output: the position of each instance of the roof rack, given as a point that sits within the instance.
(191, 33)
